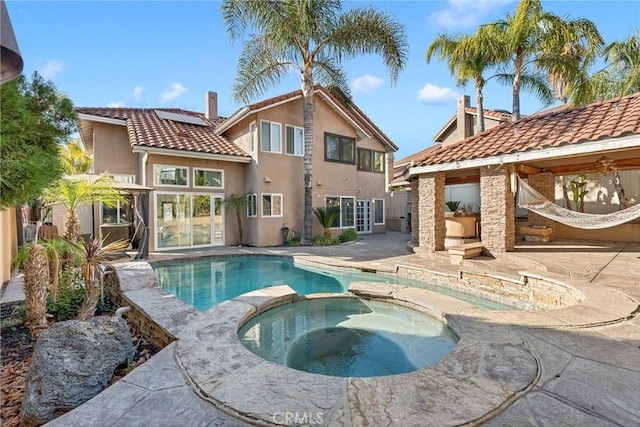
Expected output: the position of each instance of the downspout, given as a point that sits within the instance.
(143, 173)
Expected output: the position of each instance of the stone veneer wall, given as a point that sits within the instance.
(529, 292)
(431, 211)
(143, 323)
(497, 209)
(415, 217)
(544, 183)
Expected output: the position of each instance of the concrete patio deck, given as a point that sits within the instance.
(588, 355)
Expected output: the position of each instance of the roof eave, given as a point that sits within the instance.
(588, 147)
(190, 154)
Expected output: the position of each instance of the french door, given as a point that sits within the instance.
(364, 214)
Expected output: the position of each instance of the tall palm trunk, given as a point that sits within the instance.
(36, 281)
(479, 104)
(239, 220)
(71, 226)
(516, 84)
(308, 110)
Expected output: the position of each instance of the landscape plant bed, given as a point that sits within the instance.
(17, 349)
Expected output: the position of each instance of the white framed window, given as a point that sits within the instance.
(378, 211)
(346, 219)
(208, 178)
(271, 205)
(171, 176)
(253, 136)
(294, 140)
(119, 214)
(271, 134)
(252, 205)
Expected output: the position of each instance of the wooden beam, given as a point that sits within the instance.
(462, 179)
(529, 170)
(593, 167)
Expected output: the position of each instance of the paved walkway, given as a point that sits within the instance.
(588, 355)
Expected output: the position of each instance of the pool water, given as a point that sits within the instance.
(204, 283)
(347, 337)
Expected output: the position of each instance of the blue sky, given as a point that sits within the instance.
(169, 53)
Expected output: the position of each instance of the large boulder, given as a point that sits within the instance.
(72, 362)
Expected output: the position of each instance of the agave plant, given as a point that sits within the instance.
(326, 217)
(453, 205)
(94, 256)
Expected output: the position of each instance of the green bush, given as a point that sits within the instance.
(348, 235)
(323, 241)
(69, 300)
(294, 241)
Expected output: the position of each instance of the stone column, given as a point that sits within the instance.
(497, 209)
(543, 183)
(415, 218)
(431, 211)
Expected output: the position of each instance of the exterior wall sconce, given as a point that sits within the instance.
(319, 183)
(267, 179)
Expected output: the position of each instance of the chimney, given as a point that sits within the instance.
(211, 103)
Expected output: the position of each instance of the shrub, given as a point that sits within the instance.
(348, 235)
(294, 241)
(69, 299)
(323, 241)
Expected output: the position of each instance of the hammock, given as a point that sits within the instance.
(529, 198)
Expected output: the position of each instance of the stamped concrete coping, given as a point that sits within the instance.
(488, 368)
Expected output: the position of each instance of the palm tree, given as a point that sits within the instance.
(620, 76)
(94, 256)
(468, 58)
(236, 203)
(312, 37)
(75, 160)
(73, 191)
(326, 217)
(533, 41)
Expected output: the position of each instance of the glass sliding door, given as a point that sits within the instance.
(218, 221)
(188, 219)
(173, 220)
(201, 219)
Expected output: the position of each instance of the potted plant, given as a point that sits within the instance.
(453, 205)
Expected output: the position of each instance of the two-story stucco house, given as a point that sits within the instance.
(192, 161)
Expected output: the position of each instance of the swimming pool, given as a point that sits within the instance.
(204, 283)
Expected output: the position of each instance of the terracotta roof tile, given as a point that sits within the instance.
(560, 126)
(146, 129)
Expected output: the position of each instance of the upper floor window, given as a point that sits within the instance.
(270, 137)
(272, 205)
(253, 136)
(210, 178)
(252, 205)
(171, 175)
(295, 140)
(370, 160)
(339, 148)
(378, 161)
(364, 159)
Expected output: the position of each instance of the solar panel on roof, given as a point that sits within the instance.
(183, 118)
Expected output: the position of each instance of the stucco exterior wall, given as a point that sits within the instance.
(233, 184)
(281, 173)
(8, 242)
(112, 151)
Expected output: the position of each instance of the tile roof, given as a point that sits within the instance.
(496, 114)
(146, 129)
(612, 118)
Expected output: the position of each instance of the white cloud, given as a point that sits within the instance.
(175, 90)
(433, 94)
(116, 104)
(137, 92)
(50, 68)
(366, 84)
(462, 14)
